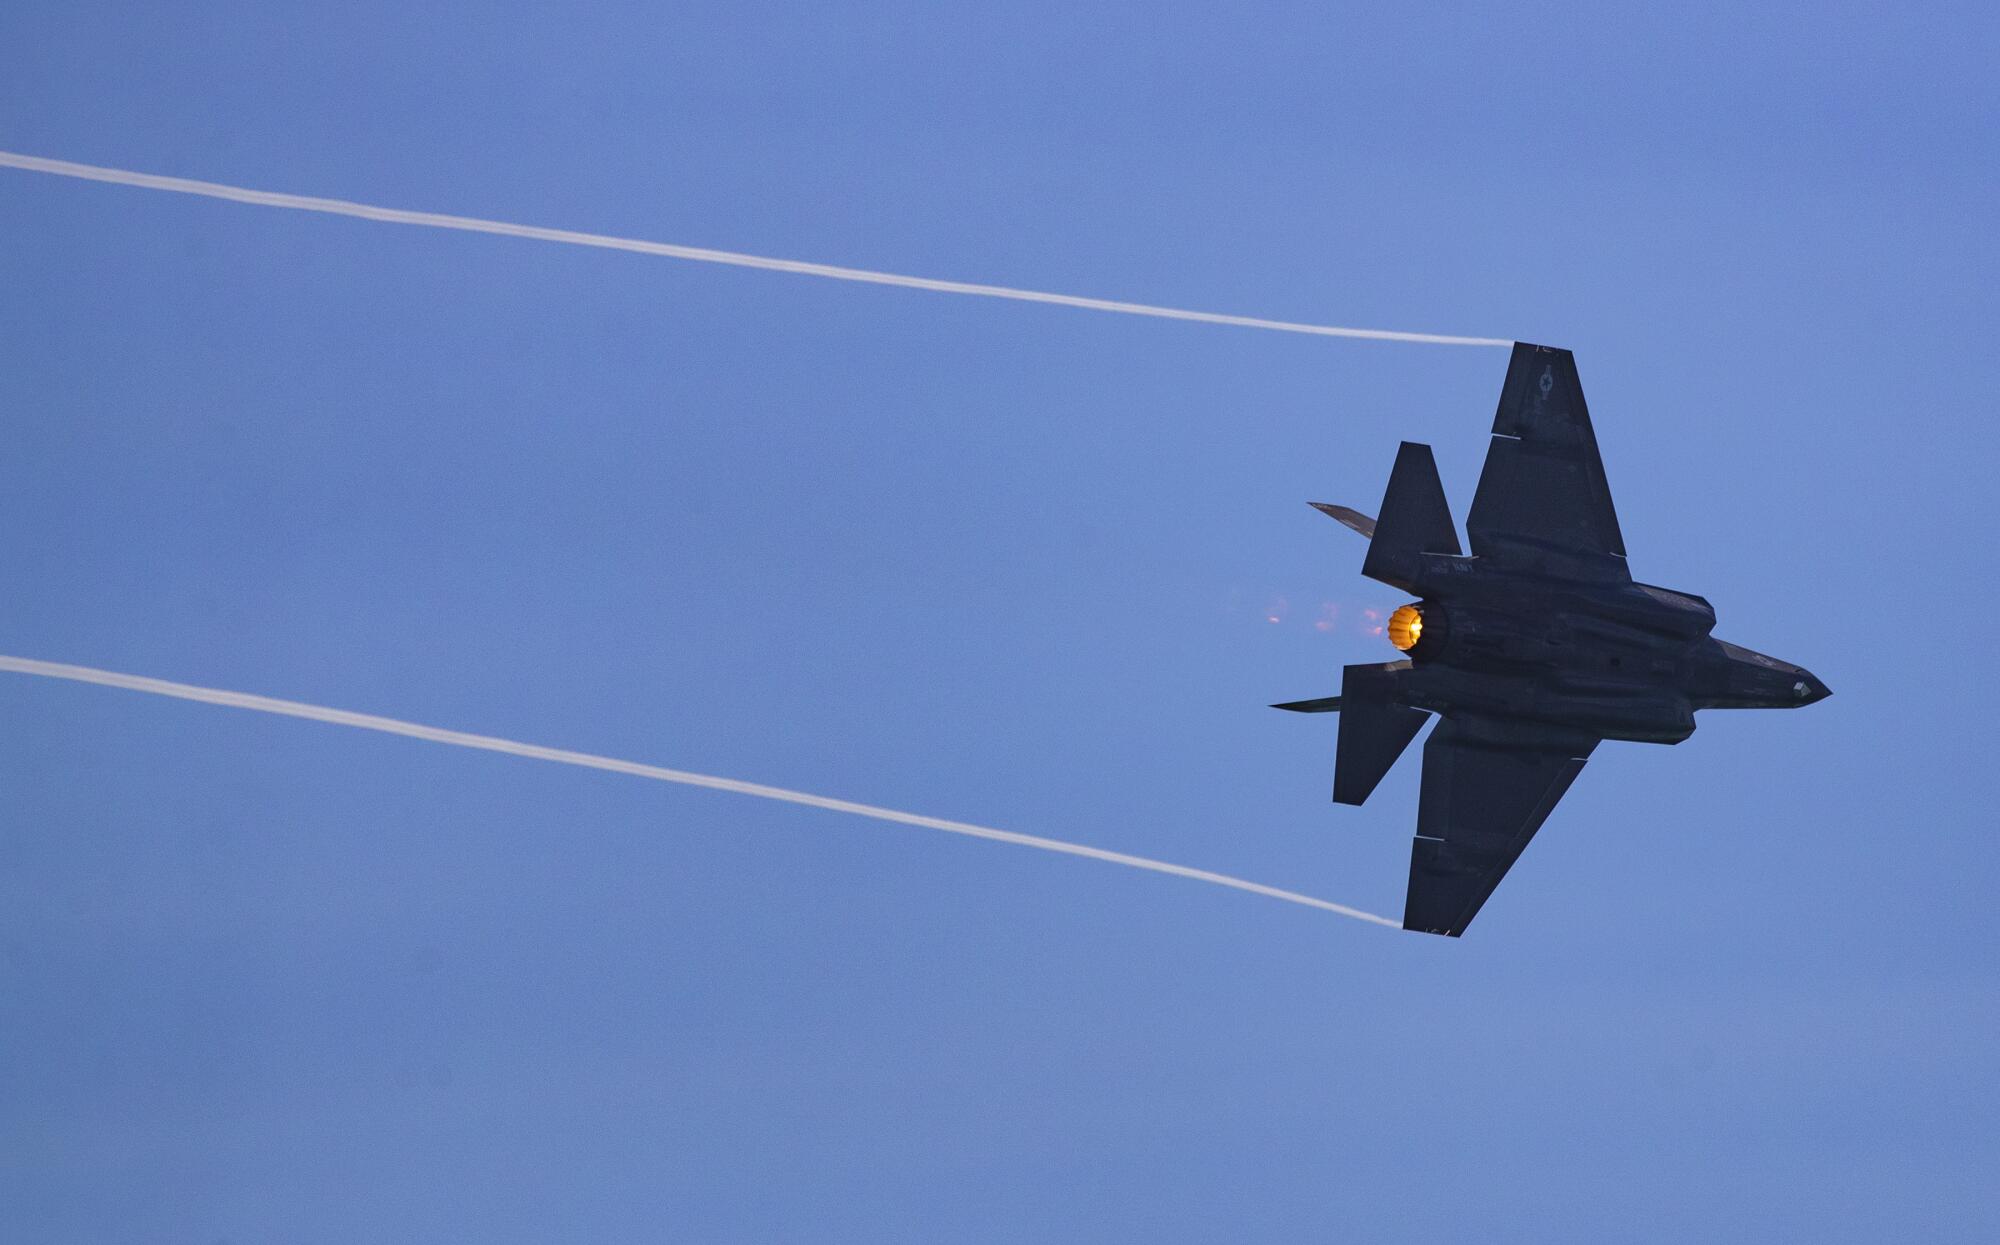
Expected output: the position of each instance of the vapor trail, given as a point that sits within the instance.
(473, 224)
(562, 756)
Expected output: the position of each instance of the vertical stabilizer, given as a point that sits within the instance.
(1374, 729)
(1415, 519)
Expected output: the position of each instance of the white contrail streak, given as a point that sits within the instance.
(562, 756)
(473, 224)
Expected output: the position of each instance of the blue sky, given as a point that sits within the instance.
(1011, 564)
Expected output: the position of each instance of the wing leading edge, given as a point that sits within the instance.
(1487, 788)
(1542, 492)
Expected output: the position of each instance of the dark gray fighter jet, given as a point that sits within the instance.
(1532, 649)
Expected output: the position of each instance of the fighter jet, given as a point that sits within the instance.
(1532, 649)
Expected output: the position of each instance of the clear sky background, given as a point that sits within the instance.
(271, 980)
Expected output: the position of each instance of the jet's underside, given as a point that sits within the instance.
(1531, 650)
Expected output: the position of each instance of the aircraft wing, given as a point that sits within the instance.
(1543, 490)
(1487, 788)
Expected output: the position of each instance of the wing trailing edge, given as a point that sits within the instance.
(1542, 495)
(1487, 788)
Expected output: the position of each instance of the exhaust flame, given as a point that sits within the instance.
(1406, 627)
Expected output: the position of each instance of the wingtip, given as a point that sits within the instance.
(1325, 704)
(1347, 517)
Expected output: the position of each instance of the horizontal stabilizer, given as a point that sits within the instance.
(1325, 704)
(1353, 519)
(1415, 520)
(1374, 730)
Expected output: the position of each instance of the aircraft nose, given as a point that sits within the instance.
(1809, 689)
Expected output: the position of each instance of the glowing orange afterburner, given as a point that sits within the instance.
(1406, 627)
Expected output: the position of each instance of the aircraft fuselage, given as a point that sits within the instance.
(1613, 659)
